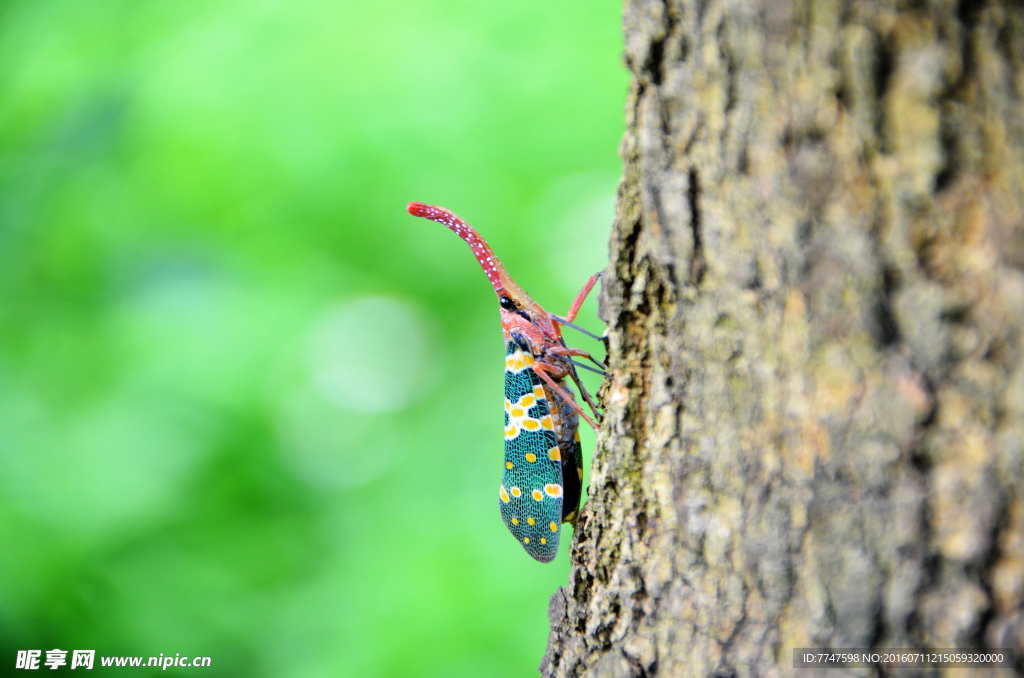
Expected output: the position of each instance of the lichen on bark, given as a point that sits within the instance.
(815, 296)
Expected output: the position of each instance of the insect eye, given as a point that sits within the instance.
(507, 303)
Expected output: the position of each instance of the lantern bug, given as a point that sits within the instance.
(543, 475)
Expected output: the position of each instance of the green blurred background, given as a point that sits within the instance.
(250, 408)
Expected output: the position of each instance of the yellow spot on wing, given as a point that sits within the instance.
(517, 412)
(531, 521)
(516, 491)
(528, 400)
(526, 540)
(538, 391)
(553, 526)
(515, 521)
(554, 454)
(504, 494)
(530, 457)
(553, 490)
(546, 423)
(530, 424)
(543, 540)
(508, 465)
(537, 495)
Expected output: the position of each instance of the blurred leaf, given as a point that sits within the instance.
(204, 449)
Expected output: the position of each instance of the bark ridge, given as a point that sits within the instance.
(816, 302)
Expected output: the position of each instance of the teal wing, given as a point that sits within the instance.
(531, 487)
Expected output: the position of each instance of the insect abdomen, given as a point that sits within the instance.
(567, 432)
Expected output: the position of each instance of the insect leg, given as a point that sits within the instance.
(575, 308)
(584, 366)
(563, 321)
(541, 369)
(566, 351)
(562, 350)
(583, 391)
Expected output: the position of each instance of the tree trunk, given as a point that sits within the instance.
(814, 421)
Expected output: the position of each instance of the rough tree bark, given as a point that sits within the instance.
(816, 301)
